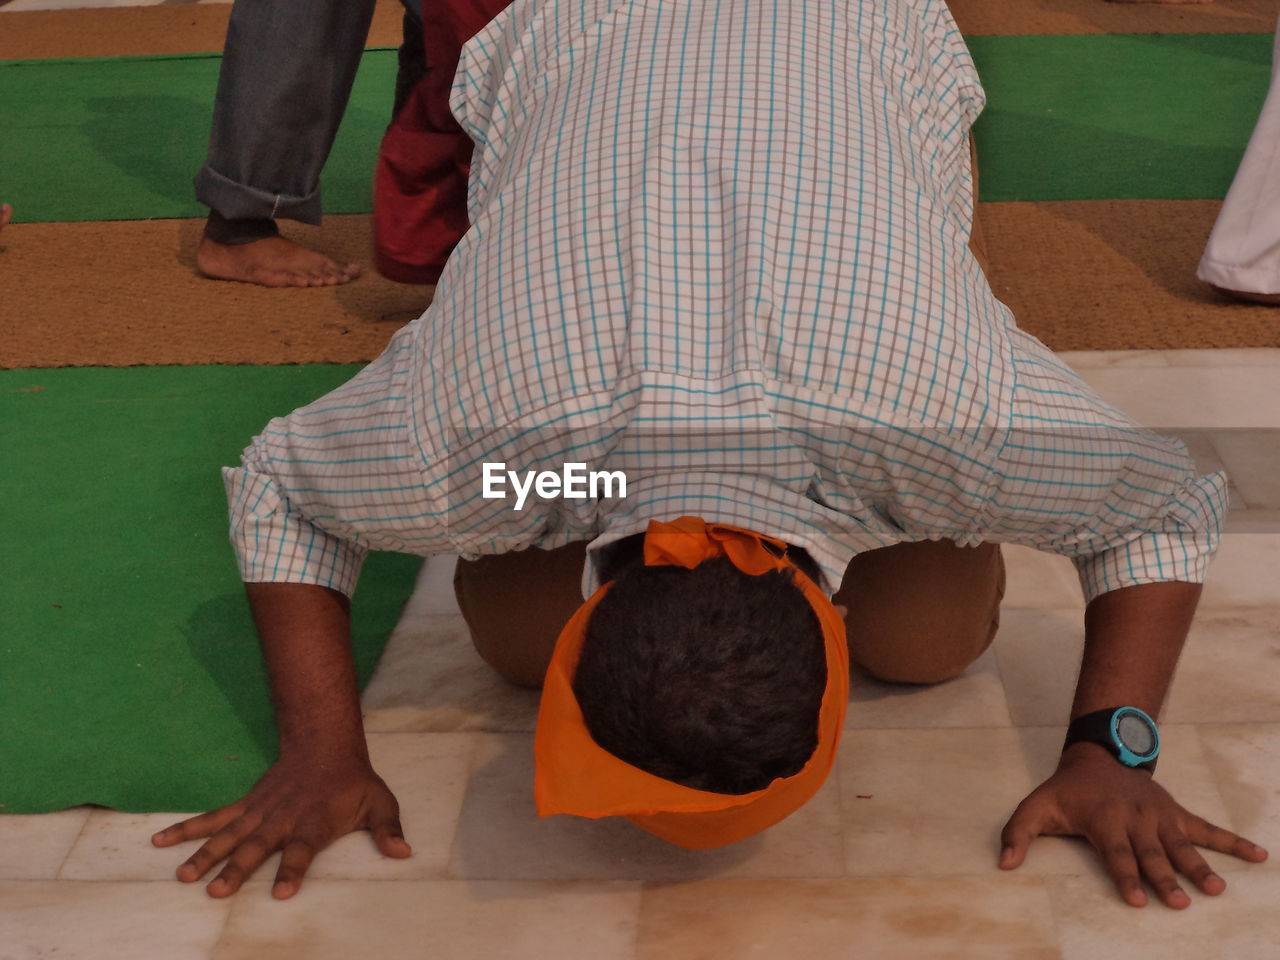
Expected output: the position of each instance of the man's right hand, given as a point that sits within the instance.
(297, 807)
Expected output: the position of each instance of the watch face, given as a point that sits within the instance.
(1136, 734)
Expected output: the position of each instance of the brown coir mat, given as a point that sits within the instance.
(200, 28)
(143, 31)
(1116, 275)
(1080, 275)
(123, 293)
(1015, 17)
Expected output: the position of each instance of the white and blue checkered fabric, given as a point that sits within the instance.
(720, 245)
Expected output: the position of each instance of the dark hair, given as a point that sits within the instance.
(708, 677)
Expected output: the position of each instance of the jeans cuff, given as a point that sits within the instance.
(236, 201)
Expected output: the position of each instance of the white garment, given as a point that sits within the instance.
(1243, 252)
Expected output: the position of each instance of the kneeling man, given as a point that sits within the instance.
(721, 250)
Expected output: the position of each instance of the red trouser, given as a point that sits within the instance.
(420, 185)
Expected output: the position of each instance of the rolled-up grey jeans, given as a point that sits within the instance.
(286, 76)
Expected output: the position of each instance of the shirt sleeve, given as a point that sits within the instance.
(322, 486)
(1080, 478)
(273, 540)
(1187, 534)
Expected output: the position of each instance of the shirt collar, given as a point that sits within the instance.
(756, 503)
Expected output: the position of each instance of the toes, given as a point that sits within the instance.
(279, 278)
(335, 273)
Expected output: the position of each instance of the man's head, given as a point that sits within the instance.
(709, 677)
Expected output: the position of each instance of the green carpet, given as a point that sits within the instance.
(129, 670)
(1070, 118)
(1155, 116)
(120, 138)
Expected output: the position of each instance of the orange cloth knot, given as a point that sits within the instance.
(688, 541)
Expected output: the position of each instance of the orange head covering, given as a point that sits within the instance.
(575, 775)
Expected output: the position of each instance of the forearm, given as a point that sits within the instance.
(323, 786)
(1133, 637)
(306, 642)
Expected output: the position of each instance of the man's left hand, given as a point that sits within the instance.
(1137, 828)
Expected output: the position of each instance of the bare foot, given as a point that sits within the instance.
(6, 212)
(1268, 298)
(272, 262)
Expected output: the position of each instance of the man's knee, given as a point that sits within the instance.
(522, 674)
(515, 605)
(921, 613)
(921, 663)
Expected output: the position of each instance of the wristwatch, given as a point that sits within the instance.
(1130, 735)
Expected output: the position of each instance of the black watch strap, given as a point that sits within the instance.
(1097, 728)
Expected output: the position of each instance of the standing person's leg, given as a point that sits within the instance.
(516, 604)
(1242, 257)
(922, 612)
(420, 186)
(411, 62)
(286, 75)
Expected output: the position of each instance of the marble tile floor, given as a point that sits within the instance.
(893, 859)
